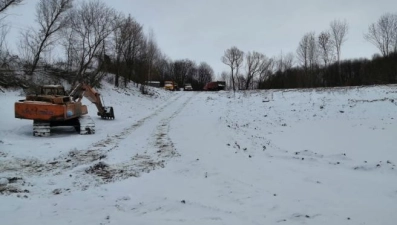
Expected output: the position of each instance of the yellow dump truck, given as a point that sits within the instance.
(170, 85)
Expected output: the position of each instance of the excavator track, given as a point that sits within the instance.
(41, 128)
(87, 125)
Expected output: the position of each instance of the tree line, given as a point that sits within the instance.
(92, 39)
(317, 61)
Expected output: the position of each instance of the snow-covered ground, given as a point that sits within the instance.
(315, 156)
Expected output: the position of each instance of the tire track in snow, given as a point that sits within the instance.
(103, 173)
(163, 149)
(127, 131)
(163, 141)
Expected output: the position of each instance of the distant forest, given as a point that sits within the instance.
(92, 40)
(316, 62)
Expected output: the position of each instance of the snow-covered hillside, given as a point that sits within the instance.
(315, 156)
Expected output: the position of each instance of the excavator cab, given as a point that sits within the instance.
(52, 90)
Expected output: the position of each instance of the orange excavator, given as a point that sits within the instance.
(53, 107)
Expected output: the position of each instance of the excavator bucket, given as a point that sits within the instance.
(107, 113)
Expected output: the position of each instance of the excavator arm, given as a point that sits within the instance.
(91, 94)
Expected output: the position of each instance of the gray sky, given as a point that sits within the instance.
(202, 30)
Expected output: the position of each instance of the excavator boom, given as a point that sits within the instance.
(91, 94)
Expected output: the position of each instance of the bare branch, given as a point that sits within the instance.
(91, 23)
(5, 4)
(383, 34)
(50, 15)
(325, 44)
(339, 30)
(308, 51)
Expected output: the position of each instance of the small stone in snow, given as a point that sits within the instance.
(348, 218)
(183, 201)
(250, 156)
(57, 191)
(3, 181)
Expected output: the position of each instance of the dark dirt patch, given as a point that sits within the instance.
(110, 173)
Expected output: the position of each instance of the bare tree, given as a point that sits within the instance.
(119, 41)
(135, 47)
(283, 62)
(253, 61)
(91, 23)
(5, 4)
(288, 61)
(308, 56)
(68, 42)
(257, 64)
(163, 65)
(4, 51)
(233, 57)
(152, 52)
(313, 51)
(4, 30)
(383, 34)
(307, 51)
(325, 44)
(339, 30)
(181, 69)
(303, 51)
(204, 74)
(51, 19)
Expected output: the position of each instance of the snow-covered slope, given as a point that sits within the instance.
(315, 156)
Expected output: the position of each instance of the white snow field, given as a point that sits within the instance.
(312, 156)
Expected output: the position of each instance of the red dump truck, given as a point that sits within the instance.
(215, 86)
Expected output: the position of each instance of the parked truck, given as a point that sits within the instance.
(170, 85)
(215, 86)
(188, 87)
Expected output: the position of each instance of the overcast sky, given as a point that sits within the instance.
(202, 30)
